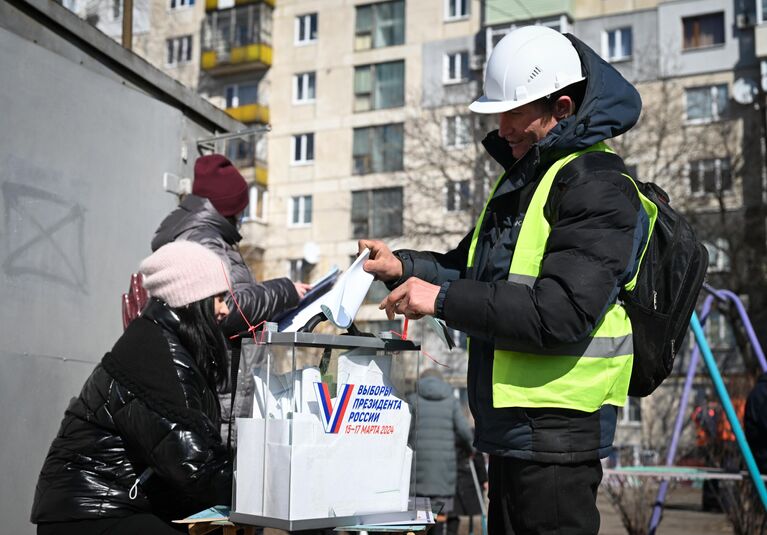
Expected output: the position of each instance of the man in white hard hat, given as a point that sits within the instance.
(535, 284)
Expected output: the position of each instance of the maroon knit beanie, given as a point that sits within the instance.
(216, 179)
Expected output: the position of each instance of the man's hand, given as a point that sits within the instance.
(414, 299)
(302, 288)
(381, 263)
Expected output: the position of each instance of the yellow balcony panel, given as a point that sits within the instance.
(239, 59)
(208, 59)
(255, 53)
(250, 113)
(212, 5)
(262, 175)
(246, 2)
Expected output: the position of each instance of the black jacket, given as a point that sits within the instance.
(755, 422)
(436, 426)
(146, 405)
(197, 220)
(597, 227)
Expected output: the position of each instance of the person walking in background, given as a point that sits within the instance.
(140, 446)
(210, 216)
(535, 284)
(437, 425)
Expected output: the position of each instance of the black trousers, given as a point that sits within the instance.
(529, 497)
(145, 524)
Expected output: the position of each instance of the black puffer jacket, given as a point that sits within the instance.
(197, 220)
(597, 228)
(755, 422)
(438, 425)
(146, 405)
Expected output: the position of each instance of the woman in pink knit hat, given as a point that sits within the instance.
(141, 444)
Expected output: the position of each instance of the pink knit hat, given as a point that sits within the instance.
(183, 272)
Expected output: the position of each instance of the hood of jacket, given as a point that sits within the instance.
(611, 106)
(434, 388)
(194, 212)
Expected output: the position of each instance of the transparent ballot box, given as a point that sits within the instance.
(322, 431)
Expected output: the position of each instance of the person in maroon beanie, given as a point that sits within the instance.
(210, 216)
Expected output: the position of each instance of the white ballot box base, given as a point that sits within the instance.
(318, 523)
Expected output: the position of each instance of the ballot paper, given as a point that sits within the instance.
(337, 456)
(286, 393)
(340, 304)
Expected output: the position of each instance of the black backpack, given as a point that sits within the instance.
(670, 277)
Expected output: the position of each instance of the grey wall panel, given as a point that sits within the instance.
(81, 163)
(678, 62)
(643, 64)
(435, 92)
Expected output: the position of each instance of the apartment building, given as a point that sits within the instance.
(166, 33)
(352, 86)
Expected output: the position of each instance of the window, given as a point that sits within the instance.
(179, 50)
(456, 67)
(303, 87)
(631, 412)
(761, 11)
(711, 175)
(377, 149)
(458, 195)
(256, 210)
(306, 29)
(456, 9)
(703, 30)
(617, 44)
(300, 270)
(178, 4)
(241, 95)
(300, 211)
(718, 255)
(380, 25)
(303, 148)
(241, 152)
(379, 86)
(457, 130)
(708, 103)
(377, 213)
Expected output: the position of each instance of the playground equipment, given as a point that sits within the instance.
(703, 347)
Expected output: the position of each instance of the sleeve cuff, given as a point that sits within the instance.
(407, 269)
(439, 304)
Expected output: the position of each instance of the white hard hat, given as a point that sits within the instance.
(527, 64)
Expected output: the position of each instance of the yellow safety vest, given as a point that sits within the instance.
(584, 375)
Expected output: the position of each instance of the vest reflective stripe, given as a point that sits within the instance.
(584, 375)
(527, 280)
(603, 347)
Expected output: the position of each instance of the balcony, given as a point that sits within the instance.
(212, 5)
(250, 113)
(237, 40)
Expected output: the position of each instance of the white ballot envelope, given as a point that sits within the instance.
(341, 303)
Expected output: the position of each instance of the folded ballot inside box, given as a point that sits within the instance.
(323, 445)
